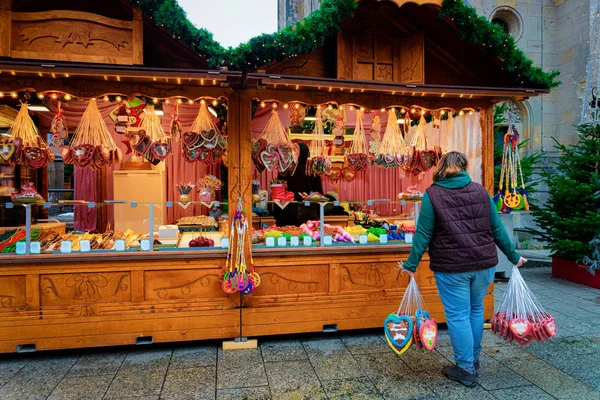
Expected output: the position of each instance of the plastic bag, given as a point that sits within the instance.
(521, 318)
(411, 323)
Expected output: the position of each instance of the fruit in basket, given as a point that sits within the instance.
(201, 242)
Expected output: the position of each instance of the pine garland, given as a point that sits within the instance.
(307, 35)
(478, 31)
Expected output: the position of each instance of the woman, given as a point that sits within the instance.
(460, 225)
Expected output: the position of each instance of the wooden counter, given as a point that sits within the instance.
(75, 300)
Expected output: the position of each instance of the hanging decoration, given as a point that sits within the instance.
(521, 318)
(121, 119)
(24, 145)
(339, 130)
(207, 188)
(297, 113)
(237, 275)
(511, 195)
(274, 148)
(58, 127)
(176, 127)
(204, 142)
(318, 163)
(92, 145)
(375, 134)
(393, 151)
(358, 157)
(411, 323)
(151, 141)
(422, 158)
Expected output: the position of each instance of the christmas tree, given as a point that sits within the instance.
(571, 218)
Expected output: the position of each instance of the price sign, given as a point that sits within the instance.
(21, 248)
(145, 244)
(270, 241)
(119, 245)
(66, 246)
(35, 248)
(281, 242)
(363, 239)
(84, 246)
(307, 241)
(328, 240)
(408, 238)
(383, 239)
(294, 241)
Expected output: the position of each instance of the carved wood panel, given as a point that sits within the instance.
(370, 276)
(72, 36)
(412, 59)
(85, 288)
(301, 279)
(12, 291)
(182, 284)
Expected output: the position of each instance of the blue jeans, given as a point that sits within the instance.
(462, 295)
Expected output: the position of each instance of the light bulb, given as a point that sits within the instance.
(155, 100)
(67, 97)
(40, 96)
(263, 105)
(105, 98)
(119, 99)
(215, 103)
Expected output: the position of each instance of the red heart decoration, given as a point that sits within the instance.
(222, 141)
(550, 327)
(160, 150)
(348, 174)
(34, 157)
(100, 158)
(208, 135)
(428, 334)
(190, 155)
(270, 157)
(82, 154)
(217, 153)
(143, 145)
(357, 161)
(285, 156)
(210, 144)
(520, 327)
(335, 174)
(191, 138)
(205, 156)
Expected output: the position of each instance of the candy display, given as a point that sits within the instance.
(422, 158)
(521, 318)
(313, 196)
(28, 193)
(201, 241)
(511, 195)
(207, 187)
(184, 190)
(24, 145)
(357, 159)
(393, 151)
(199, 220)
(274, 149)
(411, 194)
(411, 323)
(92, 145)
(338, 234)
(204, 142)
(151, 141)
(319, 162)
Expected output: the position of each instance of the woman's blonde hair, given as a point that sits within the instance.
(451, 164)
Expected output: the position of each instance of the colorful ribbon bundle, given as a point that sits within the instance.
(237, 275)
(512, 197)
(411, 323)
(521, 318)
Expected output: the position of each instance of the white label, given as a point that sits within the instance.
(270, 241)
(145, 244)
(21, 248)
(383, 239)
(84, 246)
(281, 242)
(65, 246)
(294, 241)
(363, 239)
(119, 245)
(307, 241)
(35, 248)
(408, 238)
(327, 240)
(225, 243)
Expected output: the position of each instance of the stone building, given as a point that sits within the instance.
(555, 34)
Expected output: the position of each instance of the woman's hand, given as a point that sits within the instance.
(522, 261)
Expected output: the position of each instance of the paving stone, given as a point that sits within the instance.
(450, 390)
(190, 383)
(97, 364)
(494, 375)
(383, 366)
(507, 353)
(283, 350)
(553, 381)
(193, 357)
(147, 361)
(423, 360)
(324, 347)
(10, 367)
(351, 388)
(294, 379)
(365, 344)
(529, 392)
(135, 384)
(86, 387)
(239, 357)
(336, 366)
(253, 393)
(580, 367)
(410, 387)
(235, 375)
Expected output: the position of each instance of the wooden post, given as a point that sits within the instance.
(138, 36)
(5, 27)
(487, 151)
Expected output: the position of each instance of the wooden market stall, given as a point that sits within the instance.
(389, 54)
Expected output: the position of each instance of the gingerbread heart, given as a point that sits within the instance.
(428, 334)
(83, 153)
(143, 144)
(208, 134)
(520, 327)
(18, 143)
(117, 155)
(335, 174)
(348, 174)
(270, 157)
(7, 150)
(205, 156)
(191, 138)
(285, 155)
(99, 158)
(398, 329)
(357, 161)
(416, 337)
(210, 144)
(550, 327)
(160, 150)
(34, 157)
(217, 152)
(190, 155)
(222, 141)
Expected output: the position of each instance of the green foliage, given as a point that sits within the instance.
(478, 31)
(528, 162)
(307, 35)
(571, 217)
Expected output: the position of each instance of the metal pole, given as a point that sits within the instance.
(27, 229)
(322, 223)
(151, 227)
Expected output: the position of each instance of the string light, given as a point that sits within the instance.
(167, 101)
(215, 103)
(262, 105)
(402, 111)
(330, 107)
(297, 105)
(155, 100)
(412, 110)
(202, 102)
(470, 112)
(1, 95)
(119, 99)
(13, 95)
(442, 112)
(383, 109)
(422, 112)
(274, 106)
(461, 113)
(362, 109)
(40, 96)
(67, 97)
(285, 106)
(179, 101)
(54, 96)
(106, 98)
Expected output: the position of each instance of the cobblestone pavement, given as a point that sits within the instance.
(349, 366)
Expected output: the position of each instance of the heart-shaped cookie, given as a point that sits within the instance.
(335, 174)
(210, 144)
(348, 174)
(285, 156)
(416, 337)
(357, 161)
(428, 334)
(99, 159)
(67, 155)
(217, 153)
(208, 134)
(117, 155)
(270, 157)
(550, 327)
(205, 156)
(7, 150)
(83, 153)
(222, 141)
(398, 329)
(520, 327)
(160, 150)
(190, 155)
(191, 138)
(34, 157)
(143, 145)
